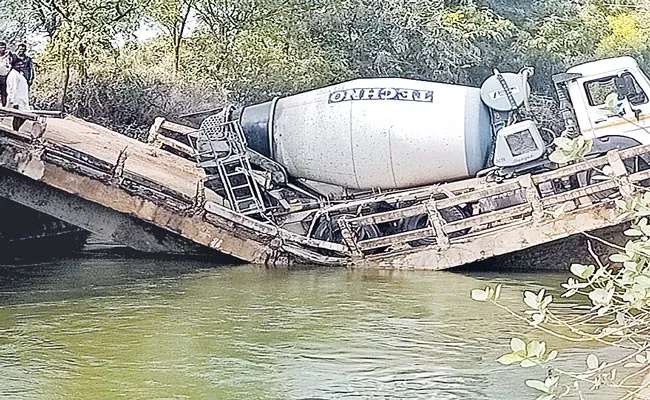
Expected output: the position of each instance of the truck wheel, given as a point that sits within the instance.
(422, 221)
(413, 224)
(632, 165)
(328, 229)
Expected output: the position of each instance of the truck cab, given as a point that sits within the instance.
(610, 100)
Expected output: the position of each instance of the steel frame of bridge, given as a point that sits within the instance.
(112, 199)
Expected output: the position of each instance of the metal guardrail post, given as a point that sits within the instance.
(620, 173)
(154, 130)
(349, 239)
(199, 199)
(118, 170)
(437, 222)
(532, 196)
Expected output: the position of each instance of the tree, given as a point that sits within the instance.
(627, 36)
(418, 39)
(17, 22)
(173, 16)
(83, 29)
(258, 49)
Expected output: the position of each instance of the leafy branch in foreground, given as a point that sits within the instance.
(618, 294)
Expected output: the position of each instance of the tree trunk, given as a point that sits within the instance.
(177, 55)
(66, 83)
(178, 39)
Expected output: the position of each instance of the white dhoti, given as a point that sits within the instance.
(17, 91)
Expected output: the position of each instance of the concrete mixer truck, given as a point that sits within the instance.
(317, 163)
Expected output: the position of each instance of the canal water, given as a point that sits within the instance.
(105, 328)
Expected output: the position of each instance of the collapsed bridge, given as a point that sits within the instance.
(153, 200)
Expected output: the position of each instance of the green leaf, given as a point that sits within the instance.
(618, 258)
(643, 281)
(592, 361)
(611, 331)
(480, 295)
(563, 143)
(539, 385)
(645, 229)
(583, 271)
(530, 299)
(552, 355)
(633, 233)
(633, 365)
(518, 345)
(608, 170)
(535, 348)
(497, 292)
(538, 318)
(551, 382)
(601, 297)
(508, 359)
(559, 157)
(621, 204)
(527, 363)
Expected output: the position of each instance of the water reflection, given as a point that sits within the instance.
(102, 328)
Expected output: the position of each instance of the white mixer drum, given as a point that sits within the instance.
(383, 133)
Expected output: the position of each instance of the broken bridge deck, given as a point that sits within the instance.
(154, 201)
(117, 187)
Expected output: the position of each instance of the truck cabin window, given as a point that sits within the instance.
(598, 90)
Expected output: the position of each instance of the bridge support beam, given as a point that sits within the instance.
(94, 217)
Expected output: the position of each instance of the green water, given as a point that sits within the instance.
(143, 329)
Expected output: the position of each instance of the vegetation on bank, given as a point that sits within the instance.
(208, 51)
(611, 307)
(614, 312)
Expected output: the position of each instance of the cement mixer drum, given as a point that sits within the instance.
(384, 133)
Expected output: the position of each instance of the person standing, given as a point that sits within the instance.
(17, 91)
(28, 64)
(5, 66)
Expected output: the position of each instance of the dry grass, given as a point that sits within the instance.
(127, 103)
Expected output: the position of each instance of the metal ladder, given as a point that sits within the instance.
(220, 148)
(243, 192)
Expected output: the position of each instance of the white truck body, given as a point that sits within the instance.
(589, 92)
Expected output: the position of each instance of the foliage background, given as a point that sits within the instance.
(207, 51)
